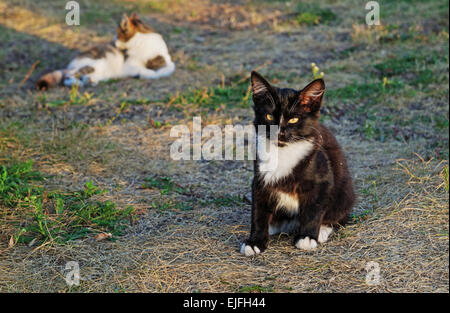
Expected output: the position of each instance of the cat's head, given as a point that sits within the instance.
(295, 113)
(128, 28)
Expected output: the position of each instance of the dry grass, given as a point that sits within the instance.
(401, 219)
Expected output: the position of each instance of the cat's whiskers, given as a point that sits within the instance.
(317, 132)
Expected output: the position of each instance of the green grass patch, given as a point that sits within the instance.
(60, 216)
(214, 98)
(313, 14)
(411, 61)
(404, 9)
(255, 289)
(167, 205)
(228, 201)
(75, 98)
(414, 63)
(375, 98)
(7, 138)
(446, 175)
(370, 91)
(165, 185)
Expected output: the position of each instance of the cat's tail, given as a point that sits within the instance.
(51, 79)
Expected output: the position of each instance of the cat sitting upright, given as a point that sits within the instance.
(302, 185)
(137, 51)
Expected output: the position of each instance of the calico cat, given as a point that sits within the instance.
(302, 185)
(137, 51)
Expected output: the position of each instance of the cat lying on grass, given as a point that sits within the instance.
(137, 51)
(301, 184)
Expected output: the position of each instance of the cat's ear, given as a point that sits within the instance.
(311, 96)
(134, 19)
(260, 85)
(124, 22)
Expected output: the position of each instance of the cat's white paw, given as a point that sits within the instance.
(306, 244)
(249, 250)
(70, 81)
(85, 80)
(324, 233)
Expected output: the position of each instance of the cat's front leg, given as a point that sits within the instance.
(259, 233)
(310, 221)
(306, 237)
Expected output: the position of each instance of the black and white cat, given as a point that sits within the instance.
(302, 185)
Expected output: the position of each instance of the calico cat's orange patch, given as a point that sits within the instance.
(129, 26)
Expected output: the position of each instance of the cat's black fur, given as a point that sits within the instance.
(320, 181)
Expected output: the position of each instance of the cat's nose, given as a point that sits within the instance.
(281, 135)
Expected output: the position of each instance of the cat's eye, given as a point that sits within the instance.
(293, 120)
(269, 117)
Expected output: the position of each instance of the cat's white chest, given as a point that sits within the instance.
(287, 202)
(278, 162)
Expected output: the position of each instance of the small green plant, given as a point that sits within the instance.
(123, 106)
(255, 289)
(369, 129)
(446, 174)
(361, 216)
(74, 93)
(157, 124)
(312, 14)
(74, 98)
(315, 71)
(228, 201)
(164, 184)
(16, 182)
(308, 18)
(58, 216)
(371, 192)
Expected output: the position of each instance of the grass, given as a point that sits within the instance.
(370, 91)
(403, 8)
(446, 178)
(235, 94)
(42, 215)
(75, 98)
(255, 289)
(165, 185)
(411, 74)
(364, 97)
(228, 201)
(313, 14)
(413, 62)
(168, 205)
